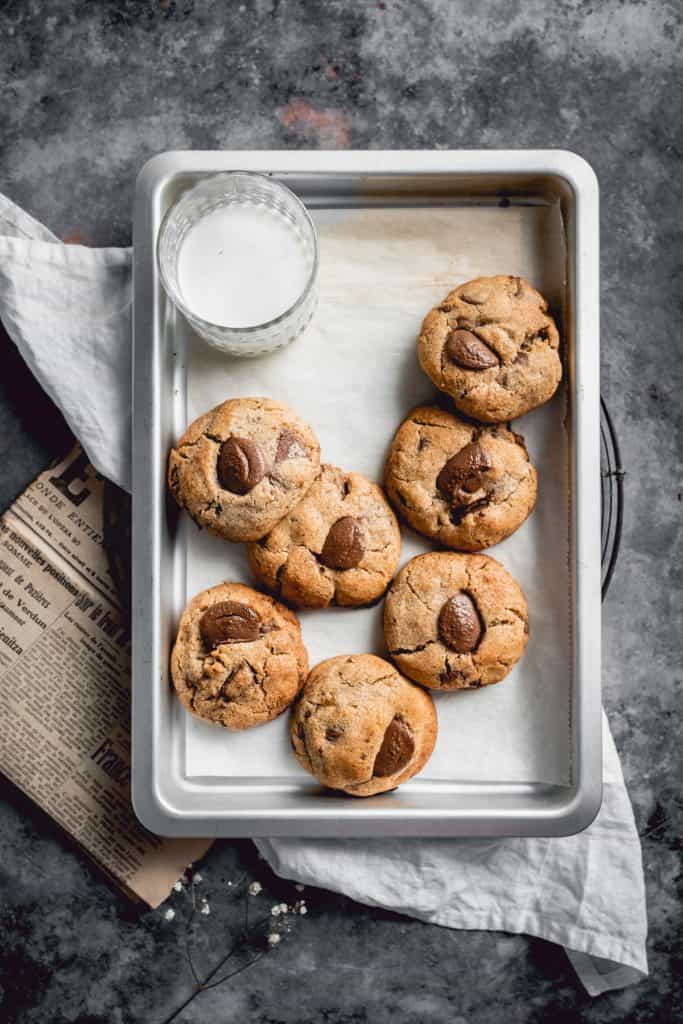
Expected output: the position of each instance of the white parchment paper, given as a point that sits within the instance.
(354, 376)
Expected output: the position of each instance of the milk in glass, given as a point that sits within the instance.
(242, 265)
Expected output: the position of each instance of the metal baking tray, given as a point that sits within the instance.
(166, 799)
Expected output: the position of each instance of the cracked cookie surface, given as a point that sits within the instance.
(455, 622)
(361, 727)
(463, 485)
(340, 545)
(238, 659)
(241, 467)
(493, 348)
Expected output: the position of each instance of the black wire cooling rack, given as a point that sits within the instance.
(117, 532)
(612, 496)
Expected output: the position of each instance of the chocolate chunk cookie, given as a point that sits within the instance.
(361, 727)
(241, 467)
(238, 659)
(340, 545)
(453, 622)
(492, 347)
(465, 486)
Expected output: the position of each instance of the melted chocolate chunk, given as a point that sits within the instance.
(290, 446)
(398, 746)
(469, 351)
(229, 622)
(460, 627)
(241, 465)
(463, 472)
(344, 545)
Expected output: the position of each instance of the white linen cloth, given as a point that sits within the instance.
(67, 308)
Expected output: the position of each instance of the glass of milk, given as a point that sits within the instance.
(238, 255)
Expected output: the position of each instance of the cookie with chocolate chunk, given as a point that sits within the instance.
(455, 622)
(493, 348)
(361, 727)
(461, 484)
(340, 545)
(242, 466)
(238, 659)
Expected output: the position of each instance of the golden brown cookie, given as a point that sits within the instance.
(340, 545)
(492, 347)
(242, 466)
(465, 486)
(453, 622)
(238, 659)
(361, 727)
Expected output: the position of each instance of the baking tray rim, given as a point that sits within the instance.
(564, 810)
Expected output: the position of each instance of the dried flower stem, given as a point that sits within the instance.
(227, 977)
(208, 982)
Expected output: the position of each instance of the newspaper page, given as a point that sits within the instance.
(65, 679)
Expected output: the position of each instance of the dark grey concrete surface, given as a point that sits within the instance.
(89, 91)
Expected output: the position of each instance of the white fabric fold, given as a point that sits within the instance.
(584, 892)
(68, 310)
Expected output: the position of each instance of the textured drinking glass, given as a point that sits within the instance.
(246, 190)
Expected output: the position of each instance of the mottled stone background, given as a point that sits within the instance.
(89, 91)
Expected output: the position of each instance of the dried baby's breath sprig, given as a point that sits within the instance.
(251, 936)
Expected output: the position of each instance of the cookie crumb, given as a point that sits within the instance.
(255, 888)
(273, 939)
(169, 914)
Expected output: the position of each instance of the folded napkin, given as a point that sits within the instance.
(67, 308)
